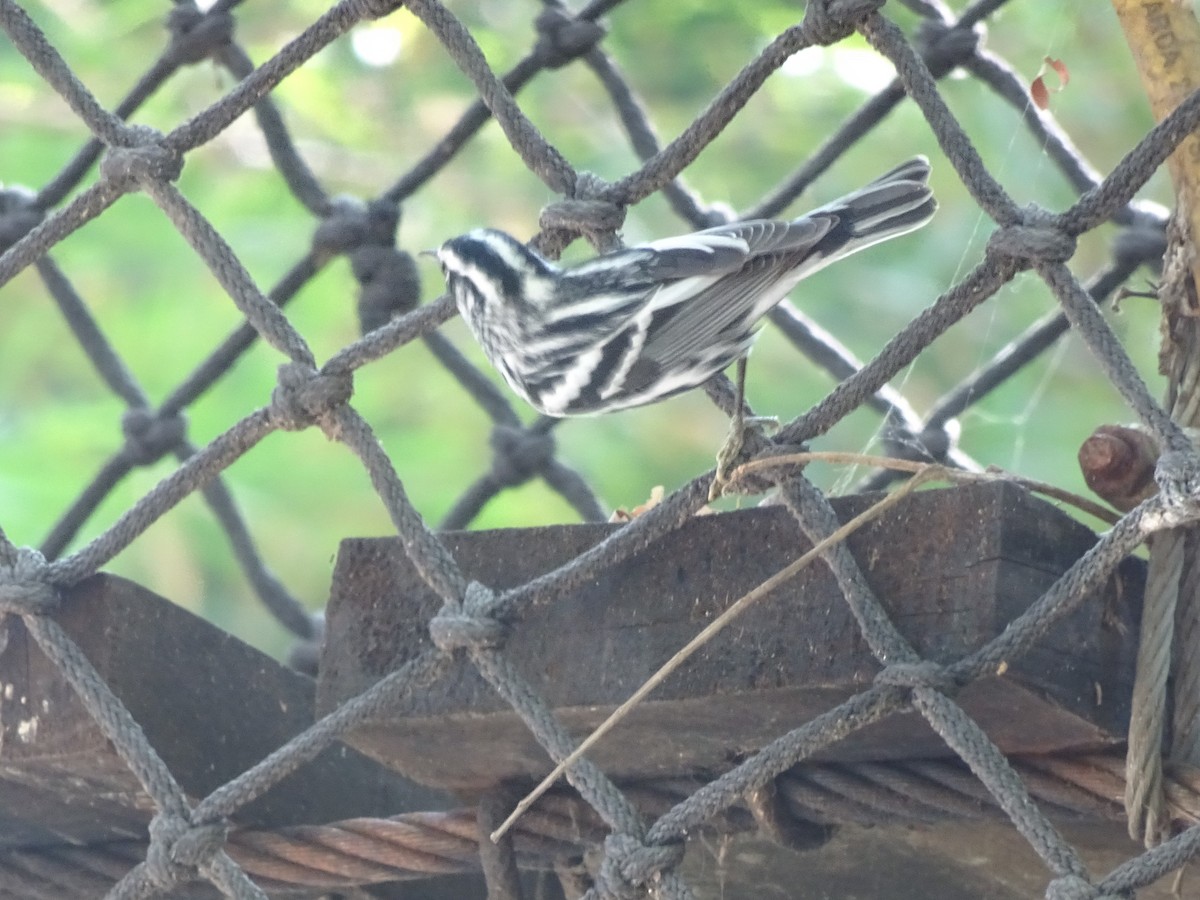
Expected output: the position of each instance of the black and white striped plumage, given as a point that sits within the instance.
(643, 323)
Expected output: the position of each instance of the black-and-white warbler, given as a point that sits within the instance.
(640, 324)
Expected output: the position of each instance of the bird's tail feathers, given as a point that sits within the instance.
(896, 202)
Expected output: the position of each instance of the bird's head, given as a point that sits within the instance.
(488, 267)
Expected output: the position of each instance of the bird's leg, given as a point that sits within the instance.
(728, 455)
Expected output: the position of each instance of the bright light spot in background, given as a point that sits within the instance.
(862, 69)
(807, 62)
(859, 68)
(376, 45)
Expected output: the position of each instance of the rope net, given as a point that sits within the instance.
(640, 849)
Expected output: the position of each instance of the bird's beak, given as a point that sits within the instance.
(432, 253)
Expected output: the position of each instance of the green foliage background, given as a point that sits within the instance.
(360, 126)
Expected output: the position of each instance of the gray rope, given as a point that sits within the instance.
(629, 861)
(541, 158)
(197, 471)
(186, 844)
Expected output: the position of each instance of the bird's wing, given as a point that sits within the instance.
(690, 314)
(667, 259)
(727, 248)
(764, 236)
(616, 289)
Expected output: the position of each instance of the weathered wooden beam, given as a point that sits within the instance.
(963, 860)
(952, 566)
(209, 704)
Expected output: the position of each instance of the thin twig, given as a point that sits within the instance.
(941, 473)
(707, 634)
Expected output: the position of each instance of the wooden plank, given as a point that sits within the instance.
(209, 704)
(952, 566)
(959, 860)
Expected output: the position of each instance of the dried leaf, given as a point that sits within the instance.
(1038, 89)
(620, 515)
(1041, 96)
(1064, 77)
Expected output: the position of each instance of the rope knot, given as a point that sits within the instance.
(563, 38)
(518, 454)
(305, 397)
(587, 212)
(150, 437)
(1037, 238)
(630, 864)
(377, 9)
(829, 21)
(178, 849)
(196, 35)
(1178, 477)
(24, 588)
(945, 47)
(143, 160)
(351, 223)
(466, 625)
(388, 285)
(923, 674)
(18, 214)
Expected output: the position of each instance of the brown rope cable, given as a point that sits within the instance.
(1085, 787)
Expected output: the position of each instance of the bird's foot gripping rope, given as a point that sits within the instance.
(729, 456)
(740, 425)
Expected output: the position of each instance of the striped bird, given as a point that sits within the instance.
(647, 322)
